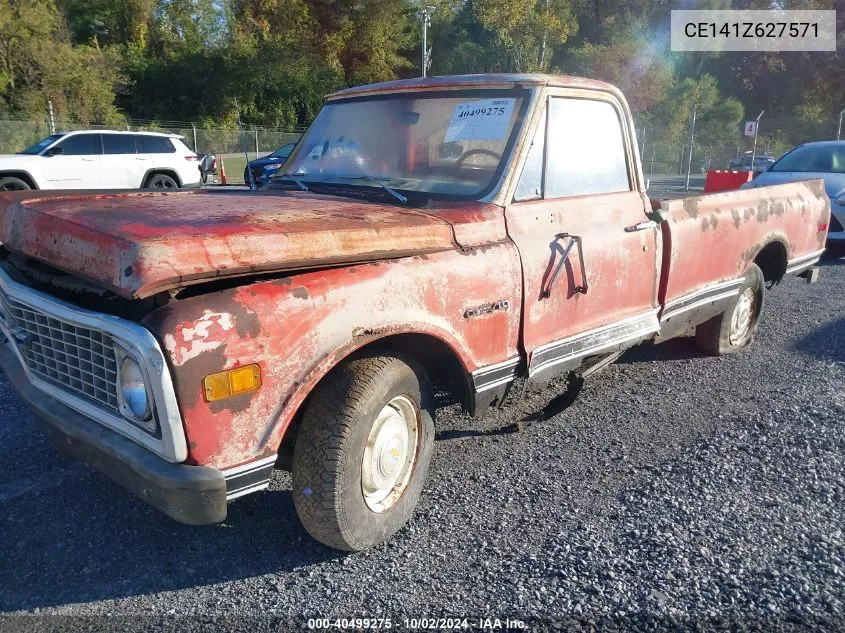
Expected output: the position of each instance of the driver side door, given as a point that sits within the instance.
(589, 252)
(74, 162)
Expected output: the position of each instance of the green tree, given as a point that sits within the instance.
(527, 29)
(38, 63)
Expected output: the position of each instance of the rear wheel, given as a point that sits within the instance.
(10, 183)
(363, 450)
(161, 181)
(735, 328)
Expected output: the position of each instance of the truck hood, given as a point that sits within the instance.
(138, 244)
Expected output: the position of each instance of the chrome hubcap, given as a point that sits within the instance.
(390, 453)
(742, 317)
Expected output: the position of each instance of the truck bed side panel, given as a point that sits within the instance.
(712, 239)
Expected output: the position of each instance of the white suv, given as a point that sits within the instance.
(101, 159)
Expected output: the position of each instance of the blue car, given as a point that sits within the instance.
(263, 168)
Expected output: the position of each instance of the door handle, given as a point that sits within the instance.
(89, 160)
(642, 226)
(573, 240)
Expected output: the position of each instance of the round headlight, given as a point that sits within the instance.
(133, 390)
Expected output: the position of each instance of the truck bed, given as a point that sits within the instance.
(710, 241)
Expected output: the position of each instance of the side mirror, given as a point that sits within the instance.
(54, 151)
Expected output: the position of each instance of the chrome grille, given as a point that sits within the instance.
(78, 359)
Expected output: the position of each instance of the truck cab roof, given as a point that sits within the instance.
(487, 80)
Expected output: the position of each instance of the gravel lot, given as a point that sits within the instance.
(679, 492)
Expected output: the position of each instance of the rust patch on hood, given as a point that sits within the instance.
(137, 244)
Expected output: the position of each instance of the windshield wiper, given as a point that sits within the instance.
(381, 183)
(293, 177)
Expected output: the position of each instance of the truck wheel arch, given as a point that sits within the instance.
(771, 257)
(440, 359)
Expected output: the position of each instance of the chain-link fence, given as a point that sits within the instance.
(233, 143)
(659, 154)
(775, 136)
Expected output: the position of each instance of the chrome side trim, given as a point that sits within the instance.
(245, 491)
(247, 478)
(669, 314)
(140, 341)
(231, 472)
(592, 342)
(701, 296)
(493, 376)
(799, 264)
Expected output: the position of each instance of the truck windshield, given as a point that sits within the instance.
(454, 143)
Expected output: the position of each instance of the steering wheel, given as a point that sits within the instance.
(477, 152)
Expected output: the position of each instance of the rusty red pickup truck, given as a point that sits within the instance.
(454, 233)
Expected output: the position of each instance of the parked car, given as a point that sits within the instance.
(102, 159)
(456, 232)
(743, 162)
(825, 160)
(265, 168)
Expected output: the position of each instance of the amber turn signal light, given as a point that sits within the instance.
(232, 382)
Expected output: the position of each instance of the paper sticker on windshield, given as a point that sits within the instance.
(485, 120)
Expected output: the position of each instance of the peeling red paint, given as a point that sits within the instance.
(358, 272)
(705, 248)
(298, 339)
(140, 244)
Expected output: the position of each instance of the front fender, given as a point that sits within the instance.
(298, 327)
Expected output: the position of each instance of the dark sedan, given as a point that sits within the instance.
(267, 166)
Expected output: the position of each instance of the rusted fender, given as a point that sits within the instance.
(716, 237)
(299, 327)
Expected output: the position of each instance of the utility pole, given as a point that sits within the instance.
(51, 119)
(691, 141)
(839, 130)
(642, 146)
(251, 183)
(425, 53)
(754, 147)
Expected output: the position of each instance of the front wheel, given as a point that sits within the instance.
(10, 183)
(363, 450)
(734, 329)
